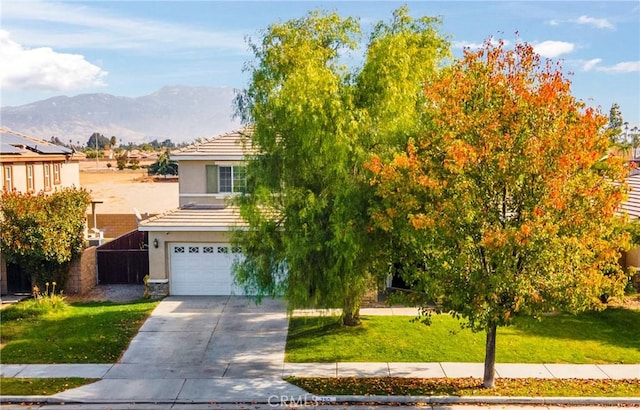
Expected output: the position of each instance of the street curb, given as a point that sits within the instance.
(498, 400)
(333, 400)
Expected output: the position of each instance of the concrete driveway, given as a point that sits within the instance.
(213, 336)
(198, 349)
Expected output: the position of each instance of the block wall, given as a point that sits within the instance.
(82, 276)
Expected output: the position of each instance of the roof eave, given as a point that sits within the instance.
(207, 157)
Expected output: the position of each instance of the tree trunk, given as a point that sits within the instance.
(490, 358)
(351, 312)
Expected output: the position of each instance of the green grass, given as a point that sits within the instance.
(611, 336)
(13, 386)
(97, 332)
(392, 386)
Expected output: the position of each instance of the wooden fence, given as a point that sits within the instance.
(124, 260)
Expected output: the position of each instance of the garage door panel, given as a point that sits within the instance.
(202, 269)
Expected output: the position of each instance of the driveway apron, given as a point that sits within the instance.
(201, 348)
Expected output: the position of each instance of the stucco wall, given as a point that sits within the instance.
(82, 276)
(192, 177)
(159, 263)
(69, 175)
(193, 183)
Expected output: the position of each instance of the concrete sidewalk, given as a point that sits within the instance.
(342, 369)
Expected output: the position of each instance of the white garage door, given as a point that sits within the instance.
(202, 269)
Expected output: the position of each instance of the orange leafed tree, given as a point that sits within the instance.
(505, 204)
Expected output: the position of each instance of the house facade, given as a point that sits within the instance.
(631, 207)
(189, 250)
(31, 165)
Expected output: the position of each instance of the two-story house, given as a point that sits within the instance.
(189, 251)
(33, 165)
(28, 164)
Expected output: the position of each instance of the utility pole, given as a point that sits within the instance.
(96, 139)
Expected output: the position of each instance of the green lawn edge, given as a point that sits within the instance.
(18, 386)
(398, 386)
(607, 337)
(80, 333)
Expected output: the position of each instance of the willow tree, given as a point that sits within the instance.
(314, 123)
(506, 198)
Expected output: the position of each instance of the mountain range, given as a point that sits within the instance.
(179, 113)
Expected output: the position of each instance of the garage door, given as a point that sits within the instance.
(202, 269)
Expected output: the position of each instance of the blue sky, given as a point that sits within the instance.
(133, 48)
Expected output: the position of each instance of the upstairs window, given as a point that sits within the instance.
(233, 179)
(56, 173)
(225, 179)
(47, 176)
(8, 178)
(31, 186)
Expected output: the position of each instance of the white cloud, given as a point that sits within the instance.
(45, 69)
(589, 65)
(595, 22)
(623, 67)
(553, 22)
(81, 26)
(552, 49)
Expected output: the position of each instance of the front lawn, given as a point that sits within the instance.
(394, 386)
(96, 332)
(610, 336)
(15, 386)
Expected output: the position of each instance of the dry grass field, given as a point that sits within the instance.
(124, 190)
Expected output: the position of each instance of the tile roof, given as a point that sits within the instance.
(235, 145)
(216, 219)
(632, 205)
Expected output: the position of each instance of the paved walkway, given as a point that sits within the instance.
(346, 369)
(228, 350)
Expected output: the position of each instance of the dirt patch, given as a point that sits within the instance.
(123, 190)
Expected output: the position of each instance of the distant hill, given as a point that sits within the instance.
(179, 113)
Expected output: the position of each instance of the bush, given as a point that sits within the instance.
(42, 233)
(121, 160)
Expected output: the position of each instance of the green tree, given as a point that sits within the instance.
(121, 160)
(498, 202)
(164, 165)
(314, 123)
(43, 233)
(112, 141)
(101, 140)
(615, 125)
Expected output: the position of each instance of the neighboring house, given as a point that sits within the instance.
(33, 165)
(631, 259)
(189, 251)
(28, 164)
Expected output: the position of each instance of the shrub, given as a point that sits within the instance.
(43, 234)
(121, 160)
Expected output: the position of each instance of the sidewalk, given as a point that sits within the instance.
(354, 369)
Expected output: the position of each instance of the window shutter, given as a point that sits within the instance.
(212, 179)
